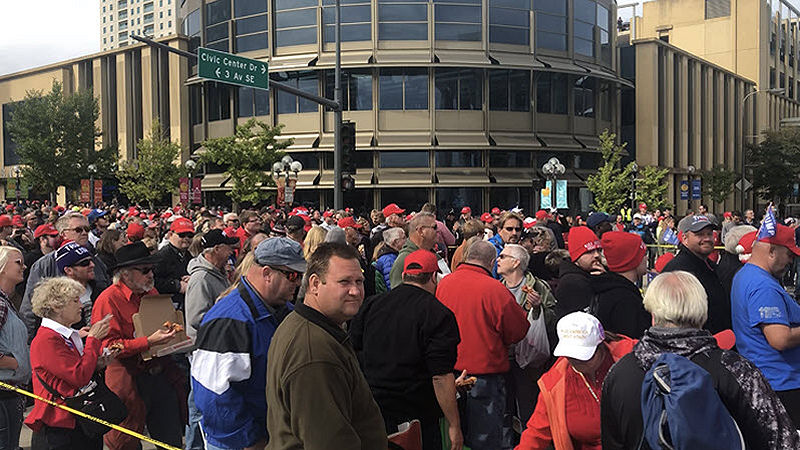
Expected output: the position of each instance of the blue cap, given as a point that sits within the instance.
(96, 214)
(596, 218)
(280, 251)
(69, 254)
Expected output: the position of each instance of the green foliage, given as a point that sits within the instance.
(247, 157)
(651, 187)
(153, 173)
(718, 183)
(56, 137)
(610, 184)
(775, 163)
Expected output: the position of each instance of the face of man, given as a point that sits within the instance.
(394, 220)
(101, 222)
(78, 231)
(181, 241)
(701, 243)
(340, 294)
(222, 252)
(280, 287)
(780, 259)
(398, 243)
(217, 224)
(702, 210)
(749, 214)
(48, 243)
(140, 279)
(427, 232)
(253, 225)
(511, 231)
(32, 222)
(506, 264)
(352, 236)
(592, 262)
(737, 219)
(233, 222)
(82, 271)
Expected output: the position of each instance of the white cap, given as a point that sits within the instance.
(579, 334)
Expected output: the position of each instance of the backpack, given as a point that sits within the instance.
(681, 409)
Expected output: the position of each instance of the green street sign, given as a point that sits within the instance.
(227, 68)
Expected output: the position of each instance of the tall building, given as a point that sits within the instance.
(121, 18)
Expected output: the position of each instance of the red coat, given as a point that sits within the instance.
(489, 319)
(64, 369)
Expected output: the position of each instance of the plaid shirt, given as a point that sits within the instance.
(5, 303)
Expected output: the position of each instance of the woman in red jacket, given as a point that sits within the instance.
(567, 414)
(63, 361)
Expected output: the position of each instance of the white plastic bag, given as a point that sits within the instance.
(535, 347)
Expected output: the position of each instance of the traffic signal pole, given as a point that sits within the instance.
(338, 199)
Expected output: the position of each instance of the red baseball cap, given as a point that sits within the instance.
(327, 213)
(9, 207)
(182, 225)
(45, 230)
(392, 208)
(529, 222)
(466, 210)
(5, 221)
(642, 205)
(784, 236)
(135, 231)
(420, 261)
(17, 221)
(348, 221)
(496, 210)
(662, 261)
(487, 218)
(541, 214)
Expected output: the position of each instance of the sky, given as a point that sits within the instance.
(38, 32)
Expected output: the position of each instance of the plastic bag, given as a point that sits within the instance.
(535, 347)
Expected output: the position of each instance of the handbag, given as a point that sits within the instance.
(535, 347)
(98, 401)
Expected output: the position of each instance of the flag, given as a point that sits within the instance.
(669, 237)
(768, 225)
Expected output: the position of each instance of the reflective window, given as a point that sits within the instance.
(400, 159)
(363, 159)
(457, 198)
(511, 197)
(251, 42)
(410, 199)
(251, 33)
(253, 102)
(251, 25)
(457, 20)
(509, 21)
(217, 32)
(604, 25)
(551, 93)
(356, 17)
(243, 8)
(509, 90)
(459, 88)
(509, 159)
(220, 45)
(289, 103)
(218, 101)
(218, 11)
(605, 100)
(583, 91)
(402, 20)
(585, 18)
(403, 89)
(356, 89)
(551, 24)
(295, 22)
(309, 160)
(470, 158)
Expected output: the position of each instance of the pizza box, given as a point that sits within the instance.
(154, 310)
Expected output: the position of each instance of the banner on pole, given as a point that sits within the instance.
(85, 190)
(98, 191)
(545, 201)
(684, 190)
(197, 193)
(561, 194)
(184, 190)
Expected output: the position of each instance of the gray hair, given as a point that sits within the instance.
(62, 224)
(480, 252)
(335, 234)
(418, 219)
(735, 234)
(392, 234)
(677, 299)
(519, 253)
(52, 294)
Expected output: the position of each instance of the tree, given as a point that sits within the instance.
(247, 157)
(56, 138)
(651, 187)
(718, 183)
(775, 163)
(153, 173)
(611, 183)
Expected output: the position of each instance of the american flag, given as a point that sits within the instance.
(768, 225)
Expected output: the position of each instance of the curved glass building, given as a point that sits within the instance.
(459, 102)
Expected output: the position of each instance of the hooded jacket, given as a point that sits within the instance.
(206, 283)
(386, 257)
(619, 305)
(754, 406)
(574, 291)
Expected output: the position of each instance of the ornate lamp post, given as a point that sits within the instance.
(284, 167)
(552, 169)
(92, 171)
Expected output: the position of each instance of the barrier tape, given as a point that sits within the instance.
(139, 436)
(674, 247)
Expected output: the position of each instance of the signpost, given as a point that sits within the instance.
(232, 69)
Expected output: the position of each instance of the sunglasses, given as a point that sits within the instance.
(513, 228)
(185, 235)
(81, 229)
(83, 263)
(290, 275)
(143, 270)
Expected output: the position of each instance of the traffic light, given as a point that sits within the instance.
(348, 135)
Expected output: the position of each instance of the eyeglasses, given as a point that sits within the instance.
(432, 227)
(290, 275)
(254, 221)
(513, 228)
(83, 263)
(185, 235)
(143, 270)
(85, 229)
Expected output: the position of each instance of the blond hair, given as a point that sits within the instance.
(677, 299)
(52, 294)
(316, 235)
(5, 253)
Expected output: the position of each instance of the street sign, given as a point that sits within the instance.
(747, 184)
(696, 190)
(232, 69)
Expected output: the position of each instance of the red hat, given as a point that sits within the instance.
(86, 212)
(623, 251)
(727, 214)
(725, 339)
(409, 217)
(466, 210)
(166, 214)
(348, 221)
(5, 221)
(541, 214)
(392, 208)
(142, 216)
(135, 231)
(582, 240)
(745, 246)
(182, 225)
(487, 218)
(642, 205)
(132, 211)
(496, 210)
(9, 207)
(45, 230)
(17, 221)
(327, 213)
(662, 261)
(59, 208)
(529, 222)
(420, 261)
(784, 236)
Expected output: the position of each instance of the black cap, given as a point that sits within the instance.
(215, 237)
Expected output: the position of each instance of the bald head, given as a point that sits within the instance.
(480, 252)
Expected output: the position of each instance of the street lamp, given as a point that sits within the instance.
(92, 171)
(16, 190)
(284, 167)
(190, 166)
(634, 172)
(744, 99)
(552, 169)
(691, 169)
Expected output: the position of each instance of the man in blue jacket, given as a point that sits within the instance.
(508, 232)
(230, 363)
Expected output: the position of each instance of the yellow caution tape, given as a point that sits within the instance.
(139, 436)
(675, 246)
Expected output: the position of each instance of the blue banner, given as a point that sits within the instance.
(561, 194)
(684, 190)
(767, 229)
(546, 195)
(696, 190)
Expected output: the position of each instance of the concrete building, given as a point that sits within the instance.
(121, 18)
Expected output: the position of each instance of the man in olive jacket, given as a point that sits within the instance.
(317, 396)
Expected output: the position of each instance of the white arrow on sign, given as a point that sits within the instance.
(216, 72)
(747, 184)
(263, 69)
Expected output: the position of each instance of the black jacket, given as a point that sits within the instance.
(619, 305)
(171, 267)
(557, 231)
(746, 394)
(537, 267)
(574, 291)
(727, 266)
(719, 301)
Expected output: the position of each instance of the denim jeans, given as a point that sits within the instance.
(194, 435)
(482, 414)
(11, 421)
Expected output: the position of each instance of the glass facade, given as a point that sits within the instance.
(356, 20)
(403, 89)
(509, 22)
(356, 88)
(402, 20)
(551, 24)
(459, 88)
(295, 22)
(509, 90)
(289, 103)
(457, 20)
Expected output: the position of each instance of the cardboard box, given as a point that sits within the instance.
(154, 310)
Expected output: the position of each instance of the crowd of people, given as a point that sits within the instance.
(323, 329)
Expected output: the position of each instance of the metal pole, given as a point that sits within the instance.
(338, 199)
(91, 190)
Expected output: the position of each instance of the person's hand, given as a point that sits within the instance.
(183, 286)
(456, 438)
(532, 299)
(100, 329)
(83, 332)
(160, 336)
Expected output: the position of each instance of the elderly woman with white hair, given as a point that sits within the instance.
(679, 307)
(729, 262)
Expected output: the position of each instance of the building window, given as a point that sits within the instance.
(295, 22)
(509, 159)
(217, 32)
(356, 20)
(242, 8)
(356, 89)
(457, 198)
(218, 11)
(604, 24)
(403, 160)
(459, 88)
(718, 8)
(551, 93)
(509, 21)
(583, 91)
(218, 101)
(605, 100)
(253, 102)
(585, 16)
(551, 24)
(402, 20)
(290, 103)
(403, 89)
(457, 20)
(509, 90)
(470, 158)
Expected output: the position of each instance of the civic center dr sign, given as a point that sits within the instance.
(232, 69)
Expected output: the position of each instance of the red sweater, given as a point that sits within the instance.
(489, 319)
(64, 369)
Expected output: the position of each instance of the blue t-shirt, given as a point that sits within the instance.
(757, 298)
